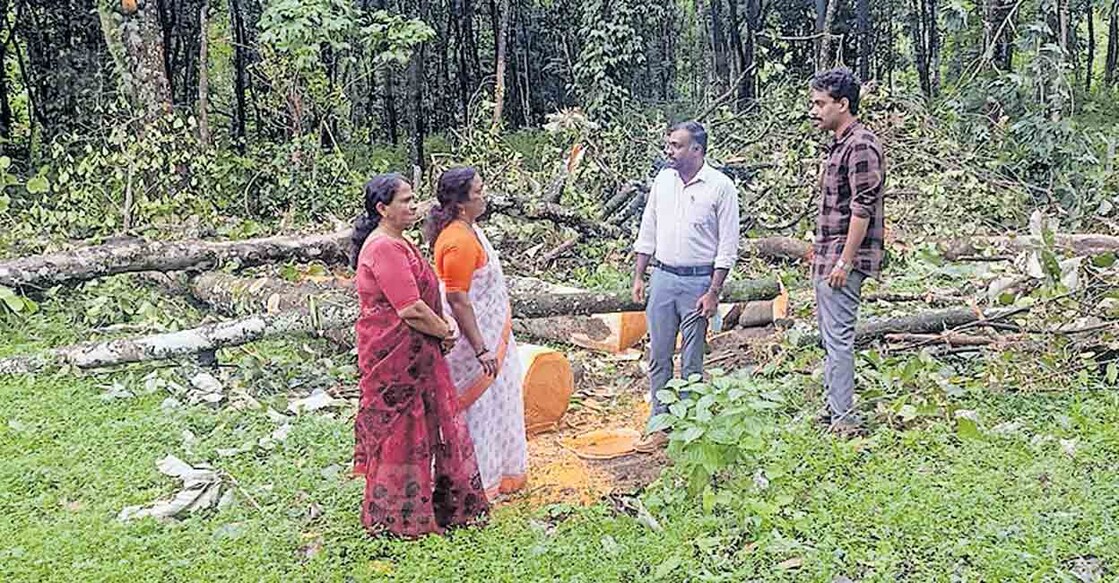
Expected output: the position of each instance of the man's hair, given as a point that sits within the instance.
(695, 130)
(839, 83)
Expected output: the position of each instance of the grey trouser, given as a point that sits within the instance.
(837, 310)
(670, 310)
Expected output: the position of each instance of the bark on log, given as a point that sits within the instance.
(931, 322)
(68, 267)
(936, 300)
(1078, 244)
(776, 248)
(185, 343)
(529, 298)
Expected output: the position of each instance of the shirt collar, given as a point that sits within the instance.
(704, 174)
(847, 133)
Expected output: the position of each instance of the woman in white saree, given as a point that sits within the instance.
(484, 364)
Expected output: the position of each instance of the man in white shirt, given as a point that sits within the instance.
(689, 232)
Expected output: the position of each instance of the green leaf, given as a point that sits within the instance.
(678, 409)
(692, 434)
(38, 185)
(667, 567)
(661, 422)
(12, 300)
(5, 162)
(1112, 373)
(1105, 260)
(967, 428)
(667, 397)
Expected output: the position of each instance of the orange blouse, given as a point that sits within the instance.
(458, 254)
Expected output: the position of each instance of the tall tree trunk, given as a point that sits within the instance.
(865, 30)
(416, 72)
(458, 22)
(998, 27)
(1091, 49)
(742, 48)
(204, 76)
(67, 64)
(718, 45)
(146, 80)
(1112, 45)
(824, 60)
(1063, 24)
(821, 18)
(5, 43)
(920, 45)
(501, 36)
(933, 34)
(182, 35)
(705, 67)
(241, 77)
(392, 118)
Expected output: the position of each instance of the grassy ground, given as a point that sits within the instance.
(1035, 497)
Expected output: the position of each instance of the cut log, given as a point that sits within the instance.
(752, 314)
(936, 300)
(187, 342)
(1082, 244)
(86, 263)
(530, 298)
(548, 382)
(609, 333)
(776, 249)
(948, 338)
(535, 299)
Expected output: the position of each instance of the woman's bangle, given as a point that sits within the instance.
(481, 352)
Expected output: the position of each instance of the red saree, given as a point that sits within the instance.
(412, 444)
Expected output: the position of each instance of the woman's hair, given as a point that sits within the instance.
(380, 190)
(453, 190)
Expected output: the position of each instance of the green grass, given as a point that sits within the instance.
(918, 504)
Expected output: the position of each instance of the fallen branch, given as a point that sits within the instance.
(306, 309)
(530, 298)
(1078, 244)
(776, 248)
(936, 300)
(86, 263)
(185, 343)
(552, 212)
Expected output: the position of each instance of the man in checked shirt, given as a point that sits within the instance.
(849, 233)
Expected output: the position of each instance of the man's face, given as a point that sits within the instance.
(679, 148)
(826, 113)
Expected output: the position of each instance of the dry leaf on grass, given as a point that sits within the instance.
(201, 490)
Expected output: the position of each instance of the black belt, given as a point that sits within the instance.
(686, 271)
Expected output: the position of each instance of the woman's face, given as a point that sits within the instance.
(401, 212)
(475, 204)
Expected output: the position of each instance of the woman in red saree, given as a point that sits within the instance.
(412, 444)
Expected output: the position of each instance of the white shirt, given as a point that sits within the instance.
(691, 224)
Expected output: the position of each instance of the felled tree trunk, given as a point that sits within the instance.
(187, 342)
(1083, 244)
(68, 267)
(529, 298)
(776, 248)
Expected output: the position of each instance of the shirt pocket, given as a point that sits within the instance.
(701, 210)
